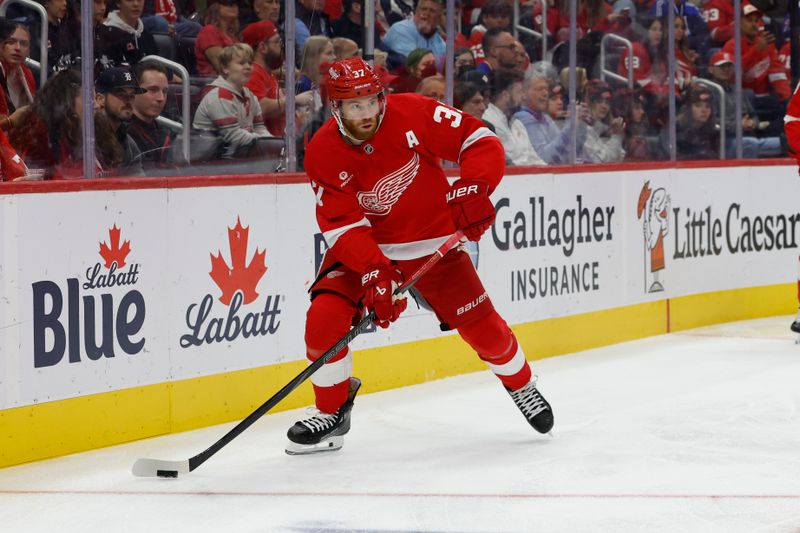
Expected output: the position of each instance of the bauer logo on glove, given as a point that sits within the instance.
(379, 284)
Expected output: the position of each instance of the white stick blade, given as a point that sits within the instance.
(157, 468)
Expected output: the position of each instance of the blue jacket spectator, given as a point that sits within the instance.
(408, 35)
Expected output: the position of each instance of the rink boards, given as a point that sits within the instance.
(157, 307)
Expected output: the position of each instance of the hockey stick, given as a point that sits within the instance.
(159, 468)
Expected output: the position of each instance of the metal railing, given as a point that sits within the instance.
(185, 101)
(721, 95)
(517, 27)
(606, 73)
(39, 8)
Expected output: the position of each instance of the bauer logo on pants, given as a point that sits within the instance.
(236, 280)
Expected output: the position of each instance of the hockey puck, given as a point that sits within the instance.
(167, 473)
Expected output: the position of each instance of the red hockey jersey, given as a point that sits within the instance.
(761, 69)
(719, 16)
(655, 79)
(791, 124)
(385, 199)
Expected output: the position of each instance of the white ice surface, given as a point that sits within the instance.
(690, 432)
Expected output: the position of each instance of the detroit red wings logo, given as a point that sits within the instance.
(389, 189)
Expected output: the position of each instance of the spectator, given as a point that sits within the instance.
(121, 39)
(697, 133)
(500, 49)
(267, 47)
(154, 140)
(221, 30)
(49, 136)
(719, 16)
(17, 85)
(350, 26)
(555, 104)
(641, 139)
(551, 143)
(761, 70)
(164, 16)
(581, 81)
(463, 61)
(229, 110)
(721, 71)
(267, 10)
(311, 13)
(398, 10)
(12, 167)
(605, 135)
(468, 97)
(592, 16)
(522, 61)
(421, 63)
(317, 55)
(432, 87)
(407, 35)
(344, 48)
(115, 90)
(99, 12)
(495, 14)
(699, 38)
(506, 99)
(63, 36)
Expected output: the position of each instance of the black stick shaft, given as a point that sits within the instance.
(359, 328)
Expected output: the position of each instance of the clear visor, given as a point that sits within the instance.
(360, 108)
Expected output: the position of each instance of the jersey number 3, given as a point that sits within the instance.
(442, 112)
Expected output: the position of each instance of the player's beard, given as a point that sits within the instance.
(362, 129)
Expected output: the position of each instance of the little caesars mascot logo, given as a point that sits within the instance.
(653, 209)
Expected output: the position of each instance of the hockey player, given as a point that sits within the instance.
(384, 205)
(791, 125)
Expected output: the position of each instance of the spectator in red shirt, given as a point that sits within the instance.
(762, 71)
(12, 167)
(17, 85)
(267, 46)
(719, 15)
(221, 30)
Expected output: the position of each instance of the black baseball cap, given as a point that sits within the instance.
(116, 78)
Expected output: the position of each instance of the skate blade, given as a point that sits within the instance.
(329, 445)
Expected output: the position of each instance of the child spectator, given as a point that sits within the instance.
(605, 134)
(221, 30)
(697, 132)
(229, 110)
(17, 85)
(344, 48)
(122, 39)
(463, 60)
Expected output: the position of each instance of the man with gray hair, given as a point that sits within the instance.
(551, 143)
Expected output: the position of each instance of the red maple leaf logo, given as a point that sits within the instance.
(114, 253)
(238, 277)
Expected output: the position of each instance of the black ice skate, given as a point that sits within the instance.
(323, 432)
(533, 405)
(795, 325)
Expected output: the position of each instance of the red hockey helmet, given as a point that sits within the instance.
(353, 78)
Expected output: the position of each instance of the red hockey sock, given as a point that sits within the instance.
(328, 320)
(498, 347)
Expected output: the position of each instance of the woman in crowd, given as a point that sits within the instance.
(697, 129)
(604, 135)
(17, 85)
(221, 30)
(641, 138)
(63, 36)
(317, 51)
(229, 111)
(49, 136)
